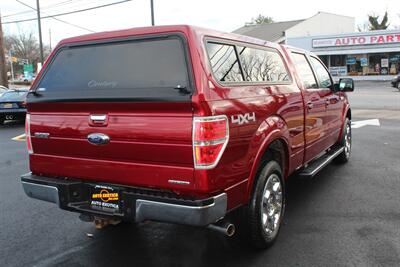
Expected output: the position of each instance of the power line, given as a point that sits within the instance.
(66, 22)
(45, 7)
(69, 23)
(67, 13)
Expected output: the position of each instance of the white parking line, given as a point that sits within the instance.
(359, 124)
(19, 138)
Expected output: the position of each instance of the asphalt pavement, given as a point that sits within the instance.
(375, 95)
(348, 215)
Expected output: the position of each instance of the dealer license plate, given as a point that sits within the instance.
(8, 105)
(104, 198)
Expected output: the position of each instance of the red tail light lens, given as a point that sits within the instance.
(210, 130)
(210, 137)
(28, 133)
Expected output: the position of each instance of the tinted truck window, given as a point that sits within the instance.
(304, 70)
(224, 62)
(262, 65)
(137, 69)
(322, 73)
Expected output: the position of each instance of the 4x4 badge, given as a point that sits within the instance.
(243, 118)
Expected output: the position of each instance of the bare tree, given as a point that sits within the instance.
(24, 46)
(363, 27)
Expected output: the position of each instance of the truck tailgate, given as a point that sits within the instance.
(150, 143)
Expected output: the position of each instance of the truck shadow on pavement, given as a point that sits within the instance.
(158, 244)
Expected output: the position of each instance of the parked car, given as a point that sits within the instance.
(182, 125)
(25, 79)
(396, 81)
(3, 89)
(13, 105)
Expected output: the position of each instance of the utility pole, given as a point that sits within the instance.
(50, 38)
(10, 56)
(40, 31)
(3, 69)
(152, 12)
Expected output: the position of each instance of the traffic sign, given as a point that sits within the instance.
(28, 67)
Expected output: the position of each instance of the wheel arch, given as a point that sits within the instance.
(275, 146)
(347, 115)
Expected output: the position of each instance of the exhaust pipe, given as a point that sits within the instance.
(99, 223)
(225, 228)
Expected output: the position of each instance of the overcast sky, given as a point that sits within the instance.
(225, 15)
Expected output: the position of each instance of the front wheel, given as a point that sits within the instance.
(345, 142)
(267, 206)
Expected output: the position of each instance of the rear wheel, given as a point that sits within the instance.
(345, 142)
(267, 206)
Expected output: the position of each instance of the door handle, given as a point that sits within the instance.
(327, 102)
(310, 105)
(98, 120)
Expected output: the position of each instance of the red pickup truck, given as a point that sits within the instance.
(182, 125)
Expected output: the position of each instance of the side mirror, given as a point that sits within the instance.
(345, 85)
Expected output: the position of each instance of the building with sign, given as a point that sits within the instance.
(319, 24)
(332, 37)
(357, 53)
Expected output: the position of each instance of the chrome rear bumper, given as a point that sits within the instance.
(182, 214)
(194, 212)
(42, 192)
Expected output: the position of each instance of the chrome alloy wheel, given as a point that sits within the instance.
(347, 140)
(271, 206)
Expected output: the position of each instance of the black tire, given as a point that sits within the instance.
(2, 121)
(255, 231)
(345, 142)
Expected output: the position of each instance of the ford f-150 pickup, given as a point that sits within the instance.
(183, 125)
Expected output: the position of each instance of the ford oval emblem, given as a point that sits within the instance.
(98, 139)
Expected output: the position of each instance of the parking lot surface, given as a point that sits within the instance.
(348, 215)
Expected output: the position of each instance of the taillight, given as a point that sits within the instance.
(210, 137)
(28, 133)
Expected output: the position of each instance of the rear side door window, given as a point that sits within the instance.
(261, 65)
(322, 74)
(224, 62)
(305, 71)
